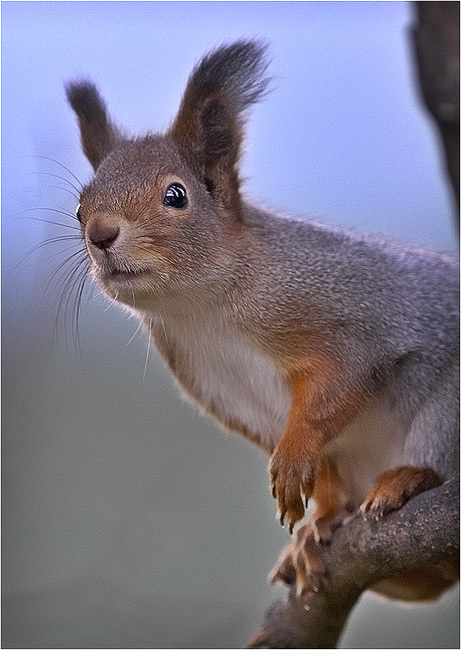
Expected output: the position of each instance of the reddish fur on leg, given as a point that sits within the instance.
(392, 489)
(332, 506)
(319, 411)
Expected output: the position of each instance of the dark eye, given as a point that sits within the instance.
(175, 196)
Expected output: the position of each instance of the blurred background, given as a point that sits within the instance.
(130, 521)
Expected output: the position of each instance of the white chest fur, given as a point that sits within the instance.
(234, 382)
(371, 444)
(226, 376)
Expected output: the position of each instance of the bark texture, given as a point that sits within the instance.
(435, 37)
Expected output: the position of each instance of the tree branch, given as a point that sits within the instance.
(436, 46)
(423, 532)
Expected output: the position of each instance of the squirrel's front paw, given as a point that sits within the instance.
(290, 480)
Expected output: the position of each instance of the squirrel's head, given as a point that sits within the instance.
(158, 211)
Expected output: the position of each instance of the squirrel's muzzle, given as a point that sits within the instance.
(102, 233)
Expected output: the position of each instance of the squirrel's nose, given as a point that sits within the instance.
(102, 234)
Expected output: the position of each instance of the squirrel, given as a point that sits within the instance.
(335, 352)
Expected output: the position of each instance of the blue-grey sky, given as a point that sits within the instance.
(342, 138)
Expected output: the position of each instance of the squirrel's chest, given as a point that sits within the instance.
(228, 378)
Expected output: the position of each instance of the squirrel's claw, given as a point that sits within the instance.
(300, 564)
(289, 482)
(281, 517)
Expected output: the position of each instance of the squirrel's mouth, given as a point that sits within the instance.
(127, 281)
(125, 285)
(120, 275)
(111, 268)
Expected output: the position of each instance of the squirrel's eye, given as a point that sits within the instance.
(175, 196)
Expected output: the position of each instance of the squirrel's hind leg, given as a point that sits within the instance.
(393, 488)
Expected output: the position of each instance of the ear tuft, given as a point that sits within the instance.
(98, 134)
(236, 70)
(209, 126)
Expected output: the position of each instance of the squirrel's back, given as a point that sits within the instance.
(355, 286)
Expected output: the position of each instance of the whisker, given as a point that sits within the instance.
(147, 357)
(135, 332)
(66, 213)
(74, 285)
(56, 162)
(72, 290)
(37, 247)
(53, 223)
(69, 279)
(61, 178)
(65, 189)
(110, 303)
(102, 293)
(78, 304)
(164, 329)
(65, 262)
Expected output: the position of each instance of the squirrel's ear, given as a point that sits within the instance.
(98, 134)
(209, 126)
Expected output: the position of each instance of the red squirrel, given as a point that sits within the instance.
(335, 352)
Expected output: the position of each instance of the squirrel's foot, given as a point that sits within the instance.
(324, 527)
(392, 489)
(291, 479)
(300, 563)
